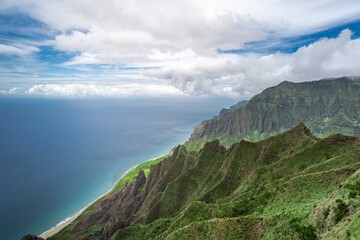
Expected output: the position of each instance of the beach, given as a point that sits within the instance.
(52, 231)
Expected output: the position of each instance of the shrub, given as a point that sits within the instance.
(340, 210)
(352, 194)
(243, 207)
(305, 232)
(355, 186)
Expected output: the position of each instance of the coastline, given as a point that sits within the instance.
(61, 225)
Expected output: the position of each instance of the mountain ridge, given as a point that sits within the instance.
(237, 193)
(326, 106)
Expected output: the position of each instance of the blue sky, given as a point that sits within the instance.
(222, 48)
(293, 43)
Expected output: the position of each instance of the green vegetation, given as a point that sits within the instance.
(340, 210)
(133, 172)
(305, 232)
(289, 186)
(355, 189)
(326, 107)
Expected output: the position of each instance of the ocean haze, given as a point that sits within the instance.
(58, 155)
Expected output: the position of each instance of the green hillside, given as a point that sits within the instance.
(326, 107)
(289, 186)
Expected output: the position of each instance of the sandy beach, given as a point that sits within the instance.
(60, 226)
(52, 231)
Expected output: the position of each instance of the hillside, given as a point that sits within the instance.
(326, 107)
(289, 186)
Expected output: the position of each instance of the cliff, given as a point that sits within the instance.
(326, 107)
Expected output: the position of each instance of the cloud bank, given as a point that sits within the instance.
(243, 75)
(180, 43)
(81, 90)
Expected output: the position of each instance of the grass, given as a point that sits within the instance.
(132, 173)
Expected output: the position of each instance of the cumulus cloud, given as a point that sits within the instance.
(121, 31)
(11, 91)
(139, 43)
(119, 90)
(177, 42)
(241, 76)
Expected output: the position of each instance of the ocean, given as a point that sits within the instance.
(57, 155)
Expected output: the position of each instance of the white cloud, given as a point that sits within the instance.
(129, 32)
(17, 49)
(327, 57)
(289, 16)
(242, 76)
(122, 31)
(181, 38)
(119, 90)
(11, 91)
(154, 15)
(139, 43)
(237, 76)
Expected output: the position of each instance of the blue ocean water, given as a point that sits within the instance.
(58, 155)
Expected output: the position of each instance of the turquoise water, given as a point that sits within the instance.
(58, 155)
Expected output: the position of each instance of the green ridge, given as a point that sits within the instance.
(326, 107)
(290, 186)
(132, 173)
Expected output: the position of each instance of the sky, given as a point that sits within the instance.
(227, 48)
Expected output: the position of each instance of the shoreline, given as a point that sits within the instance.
(62, 224)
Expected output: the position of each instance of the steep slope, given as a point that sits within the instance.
(290, 186)
(326, 107)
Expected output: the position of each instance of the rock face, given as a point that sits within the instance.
(287, 186)
(326, 107)
(115, 211)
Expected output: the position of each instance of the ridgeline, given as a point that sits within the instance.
(326, 107)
